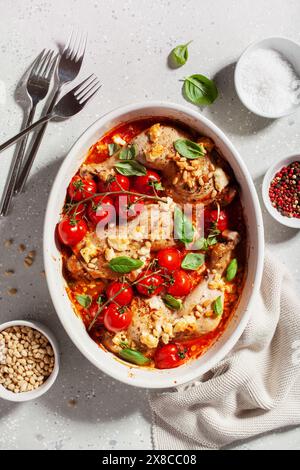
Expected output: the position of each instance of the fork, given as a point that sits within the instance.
(68, 68)
(69, 105)
(37, 87)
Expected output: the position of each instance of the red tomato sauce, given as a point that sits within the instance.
(194, 346)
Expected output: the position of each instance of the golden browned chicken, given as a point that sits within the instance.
(198, 180)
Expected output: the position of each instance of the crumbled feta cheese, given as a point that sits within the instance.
(89, 251)
(109, 254)
(165, 338)
(155, 302)
(120, 337)
(168, 328)
(185, 323)
(221, 179)
(149, 340)
(119, 244)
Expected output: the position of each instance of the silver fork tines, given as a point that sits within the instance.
(91, 89)
(75, 47)
(81, 91)
(68, 68)
(76, 99)
(68, 106)
(37, 87)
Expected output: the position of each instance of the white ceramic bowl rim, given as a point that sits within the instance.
(242, 57)
(287, 221)
(106, 361)
(33, 394)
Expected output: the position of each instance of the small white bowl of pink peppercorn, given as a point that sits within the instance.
(281, 191)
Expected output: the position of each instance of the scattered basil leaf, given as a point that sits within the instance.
(200, 90)
(189, 149)
(231, 270)
(183, 227)
(203, 243)
(135, 357)
(193, 261)
(218, 306)
(112, 149)
(84, 300)
(124, 264)
(200, 244)
(171, 302)
(130, 168)
(180, 54)
(211, 241)
(128, 153)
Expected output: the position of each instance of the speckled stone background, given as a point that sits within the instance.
(128, 45)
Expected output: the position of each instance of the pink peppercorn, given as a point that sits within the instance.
(284, 191)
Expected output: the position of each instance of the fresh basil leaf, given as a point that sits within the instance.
(171, 302)
(84, 300)
(218, 306)
(231, 270)
(130, 168)
(200, 244)
(212, 241)
(124, 264)
(189, 149)
(180, 54)
(200, 90)
(112, 149)
(183, 227)
(133, 356)
(193, 261)
(128, 153)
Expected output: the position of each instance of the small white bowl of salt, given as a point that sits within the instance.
(267, 77)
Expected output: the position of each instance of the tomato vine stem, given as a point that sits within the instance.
(138, 280)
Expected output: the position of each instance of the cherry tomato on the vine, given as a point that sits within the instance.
(124, 297)
(169, 258)
(71, 230)
(100, 208)
(170, 356)
(180, 283)
(117, 318)
(211, 219)
(146, 184)
(81, 188)
(151, 285)
(114, 184)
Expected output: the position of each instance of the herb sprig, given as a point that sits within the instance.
(111, 299)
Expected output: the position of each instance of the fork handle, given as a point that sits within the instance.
(25, 170)
(14, 169)
(25, 131)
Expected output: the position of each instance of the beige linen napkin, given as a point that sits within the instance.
(255, 389)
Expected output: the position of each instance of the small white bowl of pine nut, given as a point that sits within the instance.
(29, 360)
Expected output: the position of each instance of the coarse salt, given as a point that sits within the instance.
(269, 83)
